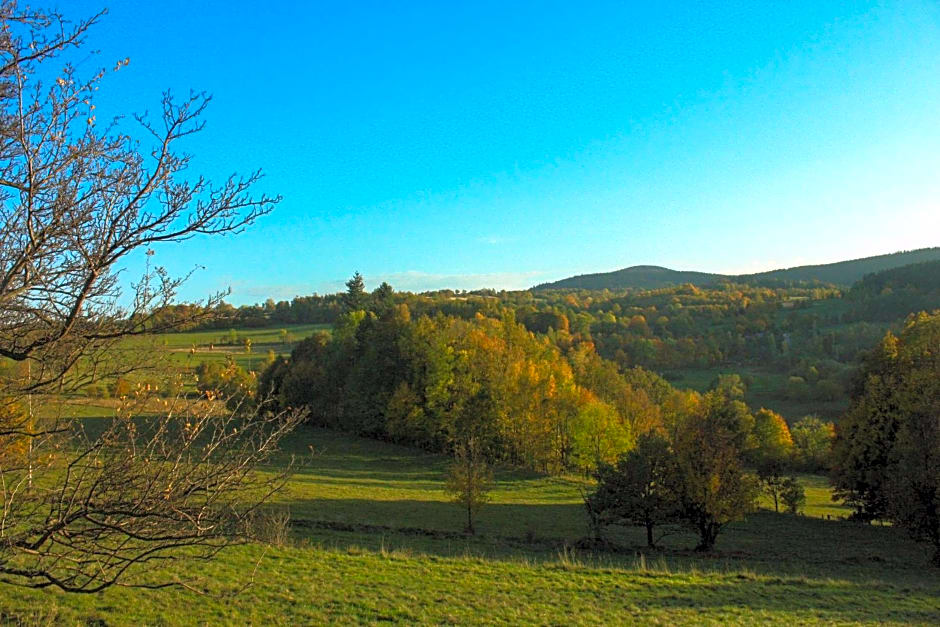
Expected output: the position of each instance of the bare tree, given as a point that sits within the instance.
(105, 510)
(77, 197)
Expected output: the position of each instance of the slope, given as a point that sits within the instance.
(652, 277)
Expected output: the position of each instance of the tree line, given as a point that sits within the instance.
(812, 336)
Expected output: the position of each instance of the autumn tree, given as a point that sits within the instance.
(711, 482)
(772, 437)
(79, 197)
(772, 453)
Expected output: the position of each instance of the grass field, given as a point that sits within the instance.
(374, 539)
(764, 390)
(170, 353)
(193, 347)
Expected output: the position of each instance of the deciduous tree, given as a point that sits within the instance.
(793, 495)
(79, 196)
(639, 489)
(888, 449)
(713, 487)
(469, 479)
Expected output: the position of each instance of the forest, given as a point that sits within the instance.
(547, 400)
(795, 347)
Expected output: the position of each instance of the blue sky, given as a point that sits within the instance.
(503, 144)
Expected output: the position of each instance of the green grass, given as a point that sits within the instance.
(765, 390)
(269, 335)
(189, 348)
(182, 352)
(375, 539)
(321, 586)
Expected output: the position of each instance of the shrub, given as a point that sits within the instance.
(793, 495)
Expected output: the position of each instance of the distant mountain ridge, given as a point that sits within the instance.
(653, 277)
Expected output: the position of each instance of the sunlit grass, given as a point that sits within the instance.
(375, 538)
(311, 585)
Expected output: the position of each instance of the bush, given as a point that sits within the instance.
(120, 388)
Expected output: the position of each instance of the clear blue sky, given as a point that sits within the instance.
(502, 144)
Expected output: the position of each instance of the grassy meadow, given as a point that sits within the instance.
(373, 538)
(764, 390)
(182, 353)
(191, 347)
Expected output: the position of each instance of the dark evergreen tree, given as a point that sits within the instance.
(355, 297)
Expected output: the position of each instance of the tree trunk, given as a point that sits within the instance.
(708, 533)
(649, 536)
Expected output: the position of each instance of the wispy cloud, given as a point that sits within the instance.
(244, 292)
(416, 281)
(496, 240)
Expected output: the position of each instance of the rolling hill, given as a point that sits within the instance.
(652, 277)
(643, 277)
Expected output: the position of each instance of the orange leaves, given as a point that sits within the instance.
(14, 419)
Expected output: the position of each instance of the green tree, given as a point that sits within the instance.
(731, 384)
(355, 297)
(599, 436)
(812, 442)
(469, 479)
(793, 495)
(383, 297)
(888, 449)
(867, 432)
(638, 490)
(770, 475)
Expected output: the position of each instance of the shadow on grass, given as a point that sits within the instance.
(721, 584)
(358, 492)
(768, 543)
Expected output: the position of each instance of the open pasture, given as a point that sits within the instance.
(765, 389)
(192, 347)
(374, 538)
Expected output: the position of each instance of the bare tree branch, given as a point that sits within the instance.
(78, 197)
